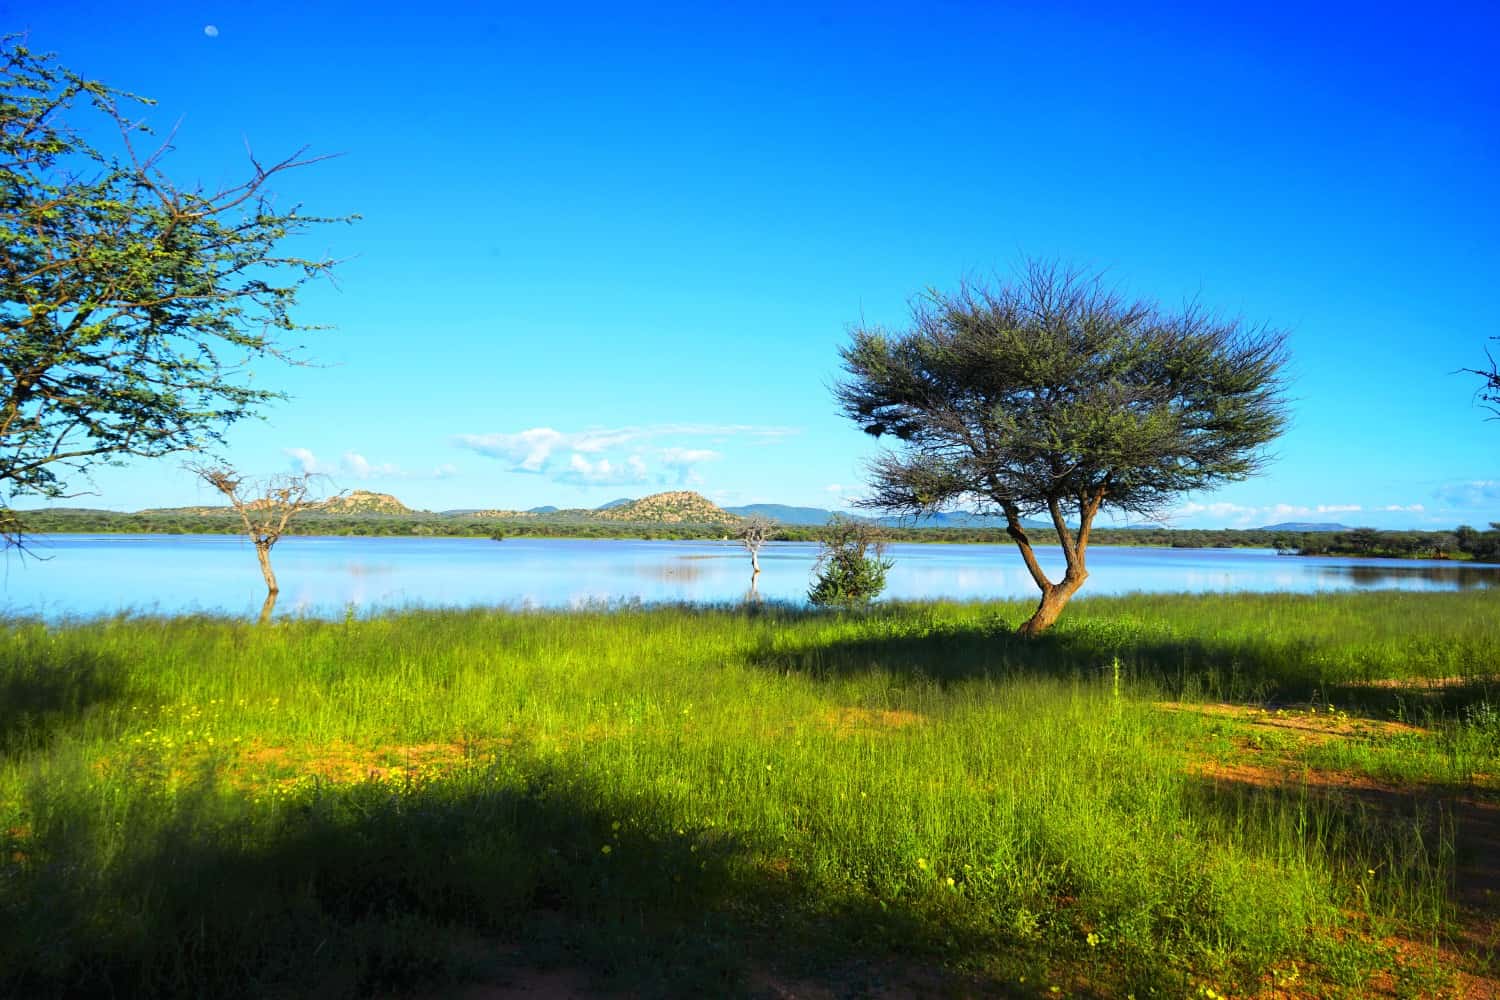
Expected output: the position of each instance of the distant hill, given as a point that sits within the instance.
(358, 502)
(783, 514)
(613, 504)
(677, 507)
(363, 502)
(1304, 526)
(548, 509)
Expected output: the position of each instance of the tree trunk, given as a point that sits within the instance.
(1054, 599)
(754, 564)
(268, 607)
(263, 553)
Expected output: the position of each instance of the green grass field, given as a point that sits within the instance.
(1168, 795)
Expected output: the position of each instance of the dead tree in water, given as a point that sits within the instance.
(753, 533)
(265, 509)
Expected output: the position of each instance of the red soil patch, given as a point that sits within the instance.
(344, 762)
(1306, 721)
(845, 721)
(1421, 683)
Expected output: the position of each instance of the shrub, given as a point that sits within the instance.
(850, 570)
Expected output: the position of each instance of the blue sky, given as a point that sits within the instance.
(612, 250)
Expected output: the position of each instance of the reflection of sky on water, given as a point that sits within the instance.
(85, 574)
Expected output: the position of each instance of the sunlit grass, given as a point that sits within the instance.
(196, 805)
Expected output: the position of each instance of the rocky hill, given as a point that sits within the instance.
(363, 502)
(677, 507)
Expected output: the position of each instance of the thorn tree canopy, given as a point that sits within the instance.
(1055, 395)
(130, 306)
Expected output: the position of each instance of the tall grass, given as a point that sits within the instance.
(196, 805)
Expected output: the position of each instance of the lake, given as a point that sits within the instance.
(88, 575)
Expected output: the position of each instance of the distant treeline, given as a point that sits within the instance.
(1463, 543)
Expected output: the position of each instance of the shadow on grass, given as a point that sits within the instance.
(1424, 850)
(41, 695)
(482, 876)
(1271, 670)
(1417, 699)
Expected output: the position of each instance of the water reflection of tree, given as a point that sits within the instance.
(1457, 577)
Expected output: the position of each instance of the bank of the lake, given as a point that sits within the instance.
(1167, 795)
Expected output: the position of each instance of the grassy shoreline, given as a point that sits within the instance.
(658, 797)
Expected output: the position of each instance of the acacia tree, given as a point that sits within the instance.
(754, 531)
(1054, 395)
(130, 307)
(265, 508)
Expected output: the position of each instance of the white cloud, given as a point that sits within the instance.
(353, 465)
(528, 450)
(688, 456)
(683, 462)
(1219, 511)
(1474, 493)
(556, 454)
(1250, 516)
(308, 463)
(360, 467)
(1284, 510)
(582, 472)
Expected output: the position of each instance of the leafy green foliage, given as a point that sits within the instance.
(130, 308)
(850, 570)
(1056, 390)
(1056, 395)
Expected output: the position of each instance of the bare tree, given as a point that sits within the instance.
(1490, 391)
(754, 532)
(265, 508)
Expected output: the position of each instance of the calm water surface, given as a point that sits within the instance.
(86, 575)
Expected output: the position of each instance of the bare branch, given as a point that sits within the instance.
(265, 507)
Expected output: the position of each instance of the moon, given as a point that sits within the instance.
(211, 30)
